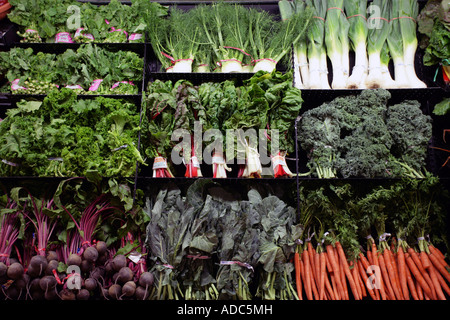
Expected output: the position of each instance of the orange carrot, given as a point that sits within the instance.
(322, 275)
(439, 266)
(328, 285)
(402, 272)
(365, 279)
(307, 271)
(418, 276)
(335, 266)
(419, 291)
(358, 282)
(410, 282)
(443, 283)
(415, 257)
(376, 263)
(390, 292)
(424, 259)
(438, 254)
(298, 279)
(392, 274)
(342, 277)
(346, 268)
(437, 286)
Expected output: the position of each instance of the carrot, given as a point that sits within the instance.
(443, 284)
(410, 281)
(298, 279)
(373, 293)
(418, 276)
(437, 286)
(359, 285)
(317, 272)
(335, 265)
(439, 266)
(369, 257)
(419, 291)
(392, 274)
(322, 277)
(384, 273)
(346, 268)
(438, 254)
(307, 271)
(312, 253)
(402, 272)
(424, 259)
(332, 282)
(415, 257)
(342, 277)
(376, 263)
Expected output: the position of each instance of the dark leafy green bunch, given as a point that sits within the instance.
(66, 136)
(362, 136)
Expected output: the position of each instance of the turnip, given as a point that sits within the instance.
(119, 262)
(128, 289)
(74, 259)
(115, 291)
(83, 294)
(15, 271)
(90, 254)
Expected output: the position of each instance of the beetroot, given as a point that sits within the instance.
(15, 271)
(90, 284)
(47, 282)
(74, 259)
(90, 254)
(101, 247)
(3, 269)
(146, 279)
(83, 294)
(125, 274)
(39, 264)
(67, 294)
(52, 255)
(52, 265)
(129, 288)
(115, 291)
(141, 293)
(119, 262)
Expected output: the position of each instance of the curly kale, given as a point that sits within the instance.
(362, 150)
(411, 131)
(361, 136)
(319, 135)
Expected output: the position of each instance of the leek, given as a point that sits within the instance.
(378, 24)
(337, 42)
(356, 14)
(395, 44)
(317, 57)
(408, 12)
(300, 52)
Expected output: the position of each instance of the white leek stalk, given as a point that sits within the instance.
(408, 11)
(378, 28)
(356, 13)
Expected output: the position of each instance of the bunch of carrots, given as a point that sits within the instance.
(387, 270)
